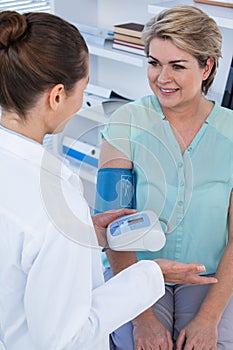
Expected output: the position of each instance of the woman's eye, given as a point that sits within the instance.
(153, 63)
(177, 66)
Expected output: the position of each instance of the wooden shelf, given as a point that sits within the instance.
(216, 3)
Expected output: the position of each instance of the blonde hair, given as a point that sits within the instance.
(191, 30)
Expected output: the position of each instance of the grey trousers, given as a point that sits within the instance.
(175, 309)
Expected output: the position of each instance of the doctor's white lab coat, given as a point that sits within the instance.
(52, 292)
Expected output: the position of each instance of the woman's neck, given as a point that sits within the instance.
(186, 124)
(189, 116)
(26, 127)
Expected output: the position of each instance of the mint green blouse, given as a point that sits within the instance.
(190, 190)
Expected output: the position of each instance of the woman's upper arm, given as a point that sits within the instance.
(110, 157)
(230, 230)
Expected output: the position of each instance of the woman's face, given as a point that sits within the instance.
(74, 98)
(174, 75)
(69, 105)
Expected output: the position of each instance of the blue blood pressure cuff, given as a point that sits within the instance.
(115, 189)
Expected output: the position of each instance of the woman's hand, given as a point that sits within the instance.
(101, 221)
(198, 334)
(179, 273)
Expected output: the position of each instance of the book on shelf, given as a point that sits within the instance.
(125, 43)
(129, 48)
(128, 38)
(132, 29)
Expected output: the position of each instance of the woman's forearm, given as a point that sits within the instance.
(219, 294)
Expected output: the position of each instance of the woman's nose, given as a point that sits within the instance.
(164, 74)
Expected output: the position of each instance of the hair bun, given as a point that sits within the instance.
(13, 27)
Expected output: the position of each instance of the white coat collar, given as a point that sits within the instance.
(34, 152)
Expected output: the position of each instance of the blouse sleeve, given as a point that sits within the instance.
(118, 130)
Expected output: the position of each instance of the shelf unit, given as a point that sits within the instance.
(107, 52)
(126, 73)
(106, 63)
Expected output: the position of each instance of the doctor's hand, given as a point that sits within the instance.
(150, 334)
(179, 273)
(101, 221)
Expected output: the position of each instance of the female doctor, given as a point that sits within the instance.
(52, 293)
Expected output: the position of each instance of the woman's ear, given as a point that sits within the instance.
(56, 96)
(208, 68)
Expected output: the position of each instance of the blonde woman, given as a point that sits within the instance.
(178, 145)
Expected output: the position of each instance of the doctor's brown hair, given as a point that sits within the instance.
(37, 51)
(191, 30)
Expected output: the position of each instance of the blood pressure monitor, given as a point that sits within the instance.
(136, 232)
